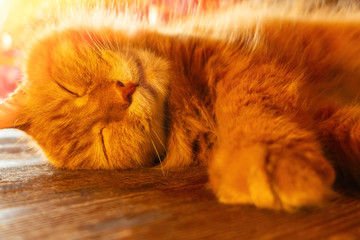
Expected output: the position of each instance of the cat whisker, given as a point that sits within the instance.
(109, 43)
(99, 43)
(157, 136)
(158, 155)
(117, 42)
(95, 43)
(105, 41)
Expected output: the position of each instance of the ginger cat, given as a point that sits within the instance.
(258, 99)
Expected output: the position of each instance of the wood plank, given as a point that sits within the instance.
(38, 201)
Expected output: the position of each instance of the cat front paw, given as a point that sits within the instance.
(268, 177)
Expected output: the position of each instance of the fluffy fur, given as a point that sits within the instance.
(259, 98)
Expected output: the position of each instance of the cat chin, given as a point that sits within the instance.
(128, 144)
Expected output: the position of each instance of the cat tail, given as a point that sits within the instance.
(11, 110)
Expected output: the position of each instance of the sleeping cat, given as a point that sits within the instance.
(260, 100)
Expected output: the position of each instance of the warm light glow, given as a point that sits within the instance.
(5, 42)
(153, 15)
(16, 15)
(4, 9)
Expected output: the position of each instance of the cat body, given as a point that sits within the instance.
(260, 104)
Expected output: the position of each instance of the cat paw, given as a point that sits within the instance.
(268, 177)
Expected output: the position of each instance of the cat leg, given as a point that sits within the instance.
(263, 155)
(185, 129)
(340, 133)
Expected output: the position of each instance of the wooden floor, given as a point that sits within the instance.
(38, 201)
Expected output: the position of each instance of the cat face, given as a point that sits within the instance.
(92, 105)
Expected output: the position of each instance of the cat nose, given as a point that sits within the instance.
(127, 91)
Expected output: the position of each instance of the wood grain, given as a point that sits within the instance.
(38, 201)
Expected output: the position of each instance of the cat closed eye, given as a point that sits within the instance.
(67, 90)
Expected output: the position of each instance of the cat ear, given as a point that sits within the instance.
(10, 110)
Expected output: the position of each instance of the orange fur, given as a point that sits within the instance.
(258, 108)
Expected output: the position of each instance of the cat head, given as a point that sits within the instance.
(91, 103)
